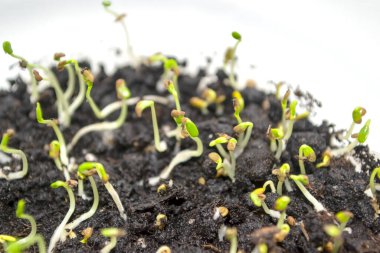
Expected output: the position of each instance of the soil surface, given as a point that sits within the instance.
(129, 157)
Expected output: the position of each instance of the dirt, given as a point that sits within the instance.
(188, 205)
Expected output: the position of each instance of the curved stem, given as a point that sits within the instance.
(317, 206)
(181, 157)
(347, 149)
(72, 225)
(243, 141)
(34, 93)
(222, 151)
(279, 187)
(288, 186)
(20, 246)
(160, 147)
(372, 181)
(101, 126)
(116, 199)
(33, 230)
(82, 90)
(272, 213)
(289, 130)
(349, 132)
(61, 228)
(70, 83)
(301, 162)
(231, 76)
(18, 174)
(110, 245)
(63, 152)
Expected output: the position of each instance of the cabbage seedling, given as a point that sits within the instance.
(188, 129)
(54, 153)
(357, 115)
(21, 246)
(335, 232)
(301, 181)
(375, 172)
(326, 158)
(209, 97)
(54, 124)
(258, 198)
(4, 147)
(60, 230)
(230, 57)
(113, 234)
(140, 107)
(123, 94)
(171, 70)
(290, 117)
(283, 174)
(231, 235)
(280, 205)
(276, 134)
(20, 214)
(305, 153)
(87, 169)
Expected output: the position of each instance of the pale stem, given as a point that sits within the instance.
(233, 166)
(349, 132)
(243, 143)
(181, 157)
(271, 186)
(279, 187)
(19, 247)
(61, 228)
(289, 130)
(288, 186)
(344, 150)
(301, 162)
(279, 149)
(63, 152)
(160, 147)
(234, 244)
(82, 90)
(33, 228)
(72, 225)
(34, 95)
(272, 213)
(281, 220)
(222, 151)
(116, 199)
(18, 174)
(317, 206)
(58, 164)
(70, 83)
(273, 145)
(110, 245)
(232, 70)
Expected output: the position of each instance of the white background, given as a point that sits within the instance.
(330, 48)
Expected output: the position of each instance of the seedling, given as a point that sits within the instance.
(120, 17)
(280, 205)
(87, 169)
(54, 153)
(161, 221)
(209, 97)
(20, 214)
(276, 134)
(290, 117)
(21, 246)
(71, 75)
(258, 198)
(123, 94)
(4, 147)
(140, 107)
(231, 235)
(230, 57)
(278, 87)
(6, 239)
(360, 138)
(305, 153)
(87, 233)
(326, 158)
(375, 172)
(54, 124)
(188, 129)
(113, 234)
(357, 115)
(171, 70)
(60, 230)
(301, 181)
(283, 175)
(335, 232)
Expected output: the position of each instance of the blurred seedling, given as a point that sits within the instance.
(113, 234)
(54, 153)
(357, 117)
(230, 58)
(280, 205)
(306, 153)
(326, 159)
(17, 152)
(171, 70)
(335, 231)
(227, 165)
(282, 174)
(258, 198)
(276, 136)
(208, 97)
(231, 235)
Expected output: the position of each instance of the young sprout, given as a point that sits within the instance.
(87, 233)
(301, 181)
(305, 153)
(71, 75)
(20, 214)
(231, 235)
(282, 175)
(123, 94)
(230, 57)
(375, 172)
(326, 158)
(87, 169)
(120, 17)
(161, 221)
(335, 232)
(6, 239)
(171, 69)
(284, 105)
(360, 137)
(278, 86)
(60, 230)
(113, 234)
(291, 117)
(20, 246)
(225, 167)
(140, 107)
(209, 97)
(280, 205)
(54, 124)
(4, 147)
(258, 198)
(357, 115)
(276, 134)
(188, 129)
(54, 153)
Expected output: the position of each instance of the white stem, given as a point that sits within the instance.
(272, 213)
(110, 245)
(116, 199)
(349, 132)
(18, 174)
(70, 83)
(317, 206)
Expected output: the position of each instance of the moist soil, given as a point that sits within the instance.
(129, 158)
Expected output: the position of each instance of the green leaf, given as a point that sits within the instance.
(219, 140)
(170, 64)
(191, 128)
(106, 3)
(58, 184)
(343, 216)
(255, 199)
(112, 232)
(308, 153)
(363, 134)
(7, 47)
(292, 109)
(39, 116)
(357, 114)
(332, 230)
(285, 168)
(236, 35)
(282, 203)
(277, 133)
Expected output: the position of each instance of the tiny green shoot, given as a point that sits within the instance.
(257, 196)
(230, 57)
(54, 153)
(113, 234)
(20, 246)
(4, 147)
(335, 232)
(305, 153)
(280, 205)
(282, 175)
(20, 214)
(357, 115)
(375, 173)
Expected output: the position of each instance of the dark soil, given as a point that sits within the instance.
(189, 206)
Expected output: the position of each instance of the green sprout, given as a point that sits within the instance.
(258, 198)
(6, 239)
(305, 153)
(71, 75)
(54, 153)
(278, 86)
(230, 58)
(301, 181)
(54, 124)
(140, 107)
(375, 172)
(120, 17)
(60, 230)
(188, 129)
(360, 138)
(276, 134)
(87, 233)
(20, 214)
(326, 158)
(335, 232)
(123, 93)
(20, 246)
(231, 235)
(284, 105)
(113, 234)
(283, 174)
(291, 118)
(280, 205)
(171, 70)
(357, 115)
(225, 166)
(209, 97)
(87, 169)
(4, 147)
